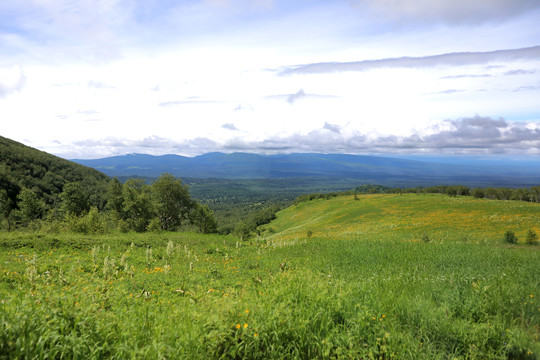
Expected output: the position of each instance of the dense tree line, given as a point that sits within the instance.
(531, 194)
(134, 205)
(23, 167)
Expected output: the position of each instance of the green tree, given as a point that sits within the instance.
(74, 199)
(31, 206)
(532, 237)
(241, 230)
(204, 219)
(478, 193)
(173, 202)
(6, 206)
(139, 206)
(510, 237)
(115, 197)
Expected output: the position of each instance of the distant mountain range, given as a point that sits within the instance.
(367, 169)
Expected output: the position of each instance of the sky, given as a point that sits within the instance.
(95, 78)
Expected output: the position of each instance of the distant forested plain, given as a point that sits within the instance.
(93, 267)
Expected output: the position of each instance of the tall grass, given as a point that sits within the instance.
(182, 295)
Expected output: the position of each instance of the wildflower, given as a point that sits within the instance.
(247, 311)
(255, 335)
(245, 325)
(238, 326)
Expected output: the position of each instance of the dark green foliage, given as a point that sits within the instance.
(532, 237)
(241, 230)
(139, 206)
(456, 190)
(265, 216)
(478, 193)
(6, 207)
(91, 223)
(74, 199)
(173, 202)
(114, 197)
(203, 219)
(510, 237)
(24, 167)
(31, 206)
(371, 189)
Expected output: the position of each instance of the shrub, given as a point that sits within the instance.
(532, 237)
(154, 226)
(510, 237)
(426, 238)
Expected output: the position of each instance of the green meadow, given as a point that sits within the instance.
(381, 277)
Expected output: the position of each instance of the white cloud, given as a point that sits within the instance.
(11, 79)
(450, 59)
(414, 12)
(196, 76)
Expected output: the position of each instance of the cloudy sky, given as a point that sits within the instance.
(94, 78)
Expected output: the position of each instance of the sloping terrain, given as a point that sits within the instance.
(407, 217)
(22, 166)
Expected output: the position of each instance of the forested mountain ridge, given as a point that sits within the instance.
(22, 166)
(394, 172)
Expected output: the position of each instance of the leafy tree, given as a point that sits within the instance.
(510, 237)
(204, 219)
(114, 197)
(173, 202)
(478, 193)
(139, 206)
(241, 230)
(74, 199)
(31, 206)
(6, 206)
(532, 237)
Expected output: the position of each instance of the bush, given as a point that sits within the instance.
(532, 237)
(510, 237)
(154, 226)
(91, 223)
(426, 238)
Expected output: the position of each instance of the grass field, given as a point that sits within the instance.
(362, 286)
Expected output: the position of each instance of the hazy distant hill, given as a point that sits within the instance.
(366, 169)
(23, 166)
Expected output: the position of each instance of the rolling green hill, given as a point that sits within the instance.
(363, 286)
(22, 166)
(407, 217)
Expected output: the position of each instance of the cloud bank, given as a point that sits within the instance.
(473, 135)
(449, 59)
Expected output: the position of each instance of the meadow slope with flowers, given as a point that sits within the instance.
(381, 277)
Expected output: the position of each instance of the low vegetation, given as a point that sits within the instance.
(337, 278)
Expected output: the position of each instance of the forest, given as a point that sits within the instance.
(42, 191)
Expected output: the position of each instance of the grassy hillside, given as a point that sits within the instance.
(362, 287)
(24, 167)
(408, 217)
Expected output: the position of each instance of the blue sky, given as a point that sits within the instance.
(89, 79)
